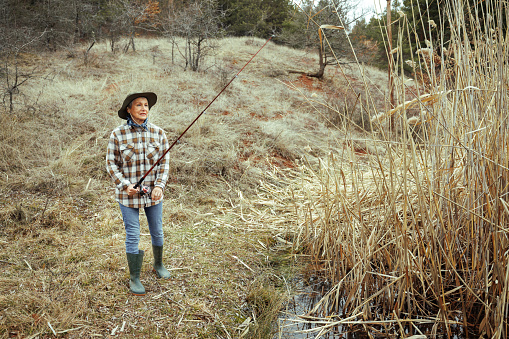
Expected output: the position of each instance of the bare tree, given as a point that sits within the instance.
(12, 43)
(197, 23)
(138, 16)
(328, 14)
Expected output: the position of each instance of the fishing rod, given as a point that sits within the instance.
(138, 184)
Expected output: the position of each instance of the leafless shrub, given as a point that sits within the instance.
(12, 45)
(198, 24)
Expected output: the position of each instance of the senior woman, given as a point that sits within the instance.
(132, 150)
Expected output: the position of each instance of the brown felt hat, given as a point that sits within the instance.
(151, 98)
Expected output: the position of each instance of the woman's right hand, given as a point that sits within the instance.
(131, 190)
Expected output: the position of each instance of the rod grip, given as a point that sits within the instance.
(138, 184)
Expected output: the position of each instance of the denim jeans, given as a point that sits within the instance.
(131, 218)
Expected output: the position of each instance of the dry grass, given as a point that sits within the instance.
(80, 286)
(408, 237)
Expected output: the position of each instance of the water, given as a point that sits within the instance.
(291, 326)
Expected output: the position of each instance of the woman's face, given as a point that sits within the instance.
(139, 110)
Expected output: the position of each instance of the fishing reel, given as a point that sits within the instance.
(144, 190)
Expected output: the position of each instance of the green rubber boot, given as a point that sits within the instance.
(159, 268)
(135, 262)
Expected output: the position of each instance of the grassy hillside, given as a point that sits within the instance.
(63, 266)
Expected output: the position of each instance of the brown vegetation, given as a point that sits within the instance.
(405, 229)
(412, 238)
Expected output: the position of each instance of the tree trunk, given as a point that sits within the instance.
(173, 51)
(321, 63)
(76, 24)
(197, 55)
(11, 105)
(132, 43)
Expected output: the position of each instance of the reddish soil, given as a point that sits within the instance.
(311, 84)
(199, 102)
(258, 116)
(280, 161)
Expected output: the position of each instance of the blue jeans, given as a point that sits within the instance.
(131, 218)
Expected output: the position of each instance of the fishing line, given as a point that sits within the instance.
(138, 184)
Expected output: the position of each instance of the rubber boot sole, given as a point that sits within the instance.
(137, 294)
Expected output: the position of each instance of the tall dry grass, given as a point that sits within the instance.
(415, 239)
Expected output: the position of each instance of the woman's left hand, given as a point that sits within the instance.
(157, 193)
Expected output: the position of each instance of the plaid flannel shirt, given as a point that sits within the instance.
(130, 154)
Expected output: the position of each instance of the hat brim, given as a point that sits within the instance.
(151, 98)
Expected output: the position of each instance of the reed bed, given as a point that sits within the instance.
(414, 240)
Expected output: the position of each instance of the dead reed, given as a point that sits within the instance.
(415, 239)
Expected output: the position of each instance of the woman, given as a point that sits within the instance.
(132, 150)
